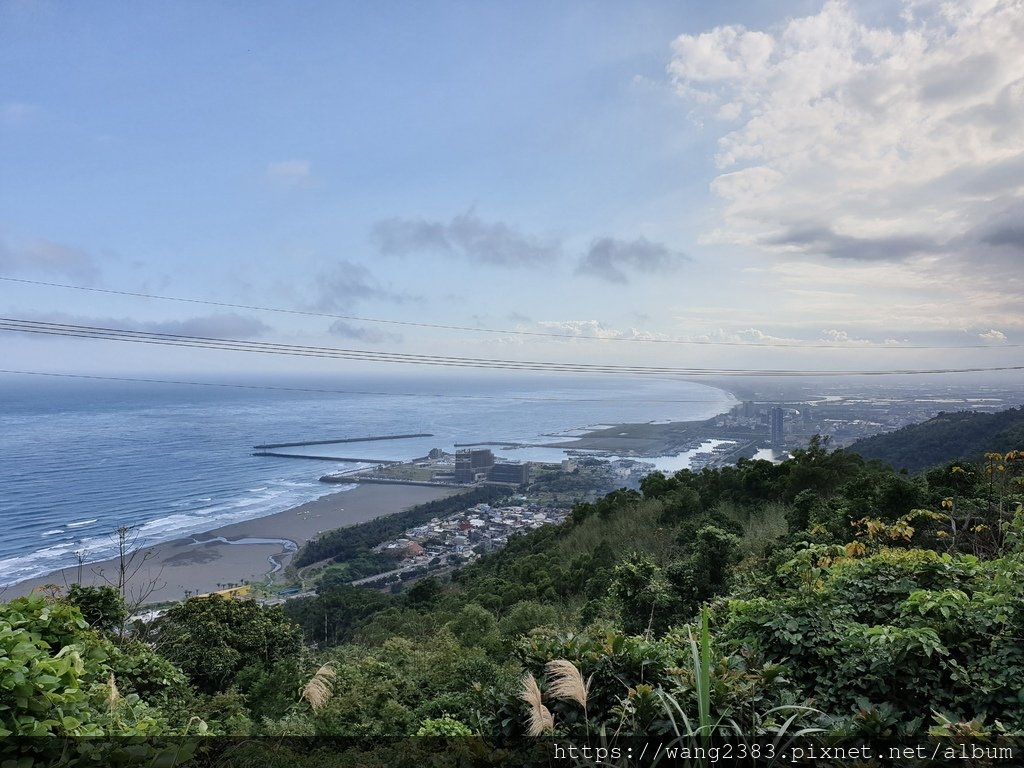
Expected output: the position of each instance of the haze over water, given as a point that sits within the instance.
(82, 458)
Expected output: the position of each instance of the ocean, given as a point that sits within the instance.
(79, 457)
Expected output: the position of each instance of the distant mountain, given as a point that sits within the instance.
(962, 435)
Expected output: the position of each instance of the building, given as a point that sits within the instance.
(516, 474)
(471, 466)
(777, 418)
(232, 593)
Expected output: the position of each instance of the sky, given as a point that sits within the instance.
(743, 185)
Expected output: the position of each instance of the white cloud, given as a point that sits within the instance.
(743, 336)
(289, 173)
(881, 143)
(594, 329)
(836, 336)
(993, 335)
(218, 326)
(15, 112)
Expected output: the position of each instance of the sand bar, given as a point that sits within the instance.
(202, 562)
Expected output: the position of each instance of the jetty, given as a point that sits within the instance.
(354, 478)
(370, 439)
(325, 458)
(505, 443)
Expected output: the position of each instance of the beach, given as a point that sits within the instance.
(208, 561)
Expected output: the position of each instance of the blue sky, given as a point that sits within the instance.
(802, 174)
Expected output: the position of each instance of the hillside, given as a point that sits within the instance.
(963, 435)
(825, 596)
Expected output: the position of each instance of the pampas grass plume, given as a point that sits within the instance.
(320, 688)
(541, 719)
(567, 682)
(113, 695)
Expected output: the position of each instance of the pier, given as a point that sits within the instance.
(370, 439)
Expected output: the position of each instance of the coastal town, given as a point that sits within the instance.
(454, 540)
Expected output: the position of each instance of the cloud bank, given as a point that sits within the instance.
(847, 141)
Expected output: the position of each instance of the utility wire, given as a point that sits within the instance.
(501, 331)
(232, 345)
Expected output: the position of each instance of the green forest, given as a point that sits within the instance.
(828, 601)
(946, 437)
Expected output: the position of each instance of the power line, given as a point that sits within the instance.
(500, 331)
(232, 345)
(318, 390)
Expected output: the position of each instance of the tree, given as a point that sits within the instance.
(640, 588)
(656, 485)
(102, 607)
(679, 505)
(334, 614)
(714, 553)
(424, 592)
(131, 557)
(212, 639)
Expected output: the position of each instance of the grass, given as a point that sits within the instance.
(700, 653)
(761, 526)
(625, 531)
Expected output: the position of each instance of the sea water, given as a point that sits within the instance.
(79, 458)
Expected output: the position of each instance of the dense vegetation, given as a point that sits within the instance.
(827, 595)
(948, 436)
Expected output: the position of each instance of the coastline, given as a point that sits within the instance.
(211, 560)
(201, 562)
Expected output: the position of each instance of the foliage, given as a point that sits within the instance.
(445, 726)
(749, 600)
(390, 691)
(881, 633)
(334, 615)
(103, 608)
(643, 594)
(965, 435)
(212, 639)
(58, 677)
(44, 677)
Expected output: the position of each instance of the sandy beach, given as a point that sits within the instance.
(203, 562)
